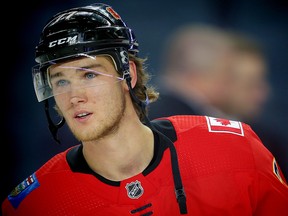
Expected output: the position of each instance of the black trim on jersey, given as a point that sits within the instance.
(77, 162)
(160, 145)
(178, 186)
(165, 127)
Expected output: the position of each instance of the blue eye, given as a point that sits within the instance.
(62, 83)
(90, 75)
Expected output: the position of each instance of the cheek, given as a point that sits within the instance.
(109, 97)
(62, 102)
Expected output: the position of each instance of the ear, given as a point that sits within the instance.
(133, 73)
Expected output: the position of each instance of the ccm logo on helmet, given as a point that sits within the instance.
(70, 40)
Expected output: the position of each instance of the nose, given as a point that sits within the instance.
(77, 96)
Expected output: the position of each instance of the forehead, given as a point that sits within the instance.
(103, 61)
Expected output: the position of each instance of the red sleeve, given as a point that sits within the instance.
(270, 192)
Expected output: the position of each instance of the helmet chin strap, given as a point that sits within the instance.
(142, 104)
(53, 127)
(178, 186)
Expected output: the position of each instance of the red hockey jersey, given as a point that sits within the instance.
(225, 170)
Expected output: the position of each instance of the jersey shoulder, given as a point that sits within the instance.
(223, 132)
(182, 123)
(56, 164)
(224, 138)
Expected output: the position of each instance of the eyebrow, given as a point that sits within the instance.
(58, 74)
(78, 69)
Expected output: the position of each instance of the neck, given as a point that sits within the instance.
(123, 154)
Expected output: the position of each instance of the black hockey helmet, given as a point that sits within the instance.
(89, 30)
(84, 29)
(94, 29)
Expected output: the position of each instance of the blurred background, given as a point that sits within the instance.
(27, 142)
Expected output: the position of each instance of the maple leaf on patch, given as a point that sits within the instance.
(223, 121)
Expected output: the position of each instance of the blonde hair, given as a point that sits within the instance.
(141, 90)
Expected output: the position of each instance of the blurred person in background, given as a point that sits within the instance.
(195, 71)
(249, 87)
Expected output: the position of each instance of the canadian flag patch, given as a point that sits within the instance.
(220, 125)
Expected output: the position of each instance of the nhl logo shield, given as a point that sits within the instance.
(134, 189)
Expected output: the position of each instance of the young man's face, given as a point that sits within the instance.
(90, 95)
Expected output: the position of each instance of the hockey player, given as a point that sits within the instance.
(126, 164)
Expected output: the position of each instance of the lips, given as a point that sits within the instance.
(82, 115)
